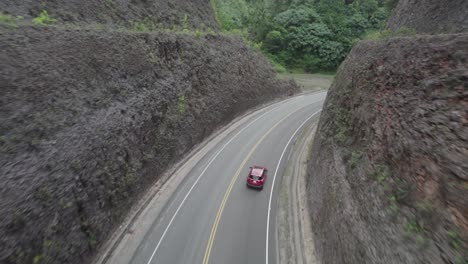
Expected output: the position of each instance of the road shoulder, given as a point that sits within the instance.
(124, 241)
(295, 241)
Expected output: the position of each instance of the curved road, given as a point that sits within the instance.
(212, 217)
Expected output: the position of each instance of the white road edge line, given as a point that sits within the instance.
(196, 181)
(274, 178)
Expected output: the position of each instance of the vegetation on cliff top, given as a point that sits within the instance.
(311, 35)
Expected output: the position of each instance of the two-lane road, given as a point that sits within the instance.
(212, 217)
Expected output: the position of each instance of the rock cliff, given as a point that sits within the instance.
(430, 16)
(90, 118)
(160, 13)
(388, 176)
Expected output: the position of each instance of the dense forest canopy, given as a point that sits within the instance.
(312, 35)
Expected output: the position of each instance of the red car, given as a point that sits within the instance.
(256, 177)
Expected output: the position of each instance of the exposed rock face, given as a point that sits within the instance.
(89, 119)
(388, 172)
(194, 13)
(431, 16)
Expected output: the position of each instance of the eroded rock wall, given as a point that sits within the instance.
(430, 16)
(157, 13)
(388, 176)
(89, 119)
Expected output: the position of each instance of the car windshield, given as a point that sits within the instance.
(255, 177)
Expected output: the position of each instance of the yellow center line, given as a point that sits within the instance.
(231, 185)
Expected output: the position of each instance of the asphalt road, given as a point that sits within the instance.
(212, 217)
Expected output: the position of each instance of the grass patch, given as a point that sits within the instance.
(393, 203)
(328, 73)
(44, 19)
(44, 194)
(38, 259)
(386, 34)
(342, 124)
(92, 241)
(8, 20)
(401, 189)
(416, 232)
(198, 34)
(276, 66)
(425, 207)
(296, 71)
(356, 156)
(75, 165)
(129, 177)
(381, 173)
(412, 227)
(152, 58)
(455, 240)
(185, 26)
(181, 104)
(3, 140)
(138, 26)
(100, 27)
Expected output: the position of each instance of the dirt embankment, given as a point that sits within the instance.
(161, 13)
(430, 16)
(90, 119)
(388, 172)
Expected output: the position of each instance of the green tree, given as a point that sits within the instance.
(273, 42)
(308, 34)
(366, 7)
(296, 17)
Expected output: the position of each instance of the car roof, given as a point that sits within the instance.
(257, 171)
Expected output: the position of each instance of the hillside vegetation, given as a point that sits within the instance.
(308, 35)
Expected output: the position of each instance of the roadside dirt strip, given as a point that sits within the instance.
(295, 241)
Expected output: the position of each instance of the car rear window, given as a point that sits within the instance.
(253, 177)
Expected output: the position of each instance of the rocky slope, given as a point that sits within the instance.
(89, 119)
(160, 13)
(430, 16)
(388, 176)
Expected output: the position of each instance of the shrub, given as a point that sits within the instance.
(382, 173)
(413, 227)
(454, 238)
(7, 20)
(181, 104)
(185, 25)
(342, 124)
(278, 67)
(44, 19)
(273, 41)
(355, 158)
(311, 63)
(391, 4)
(198, 34)
(210, 31)
(138, 26)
